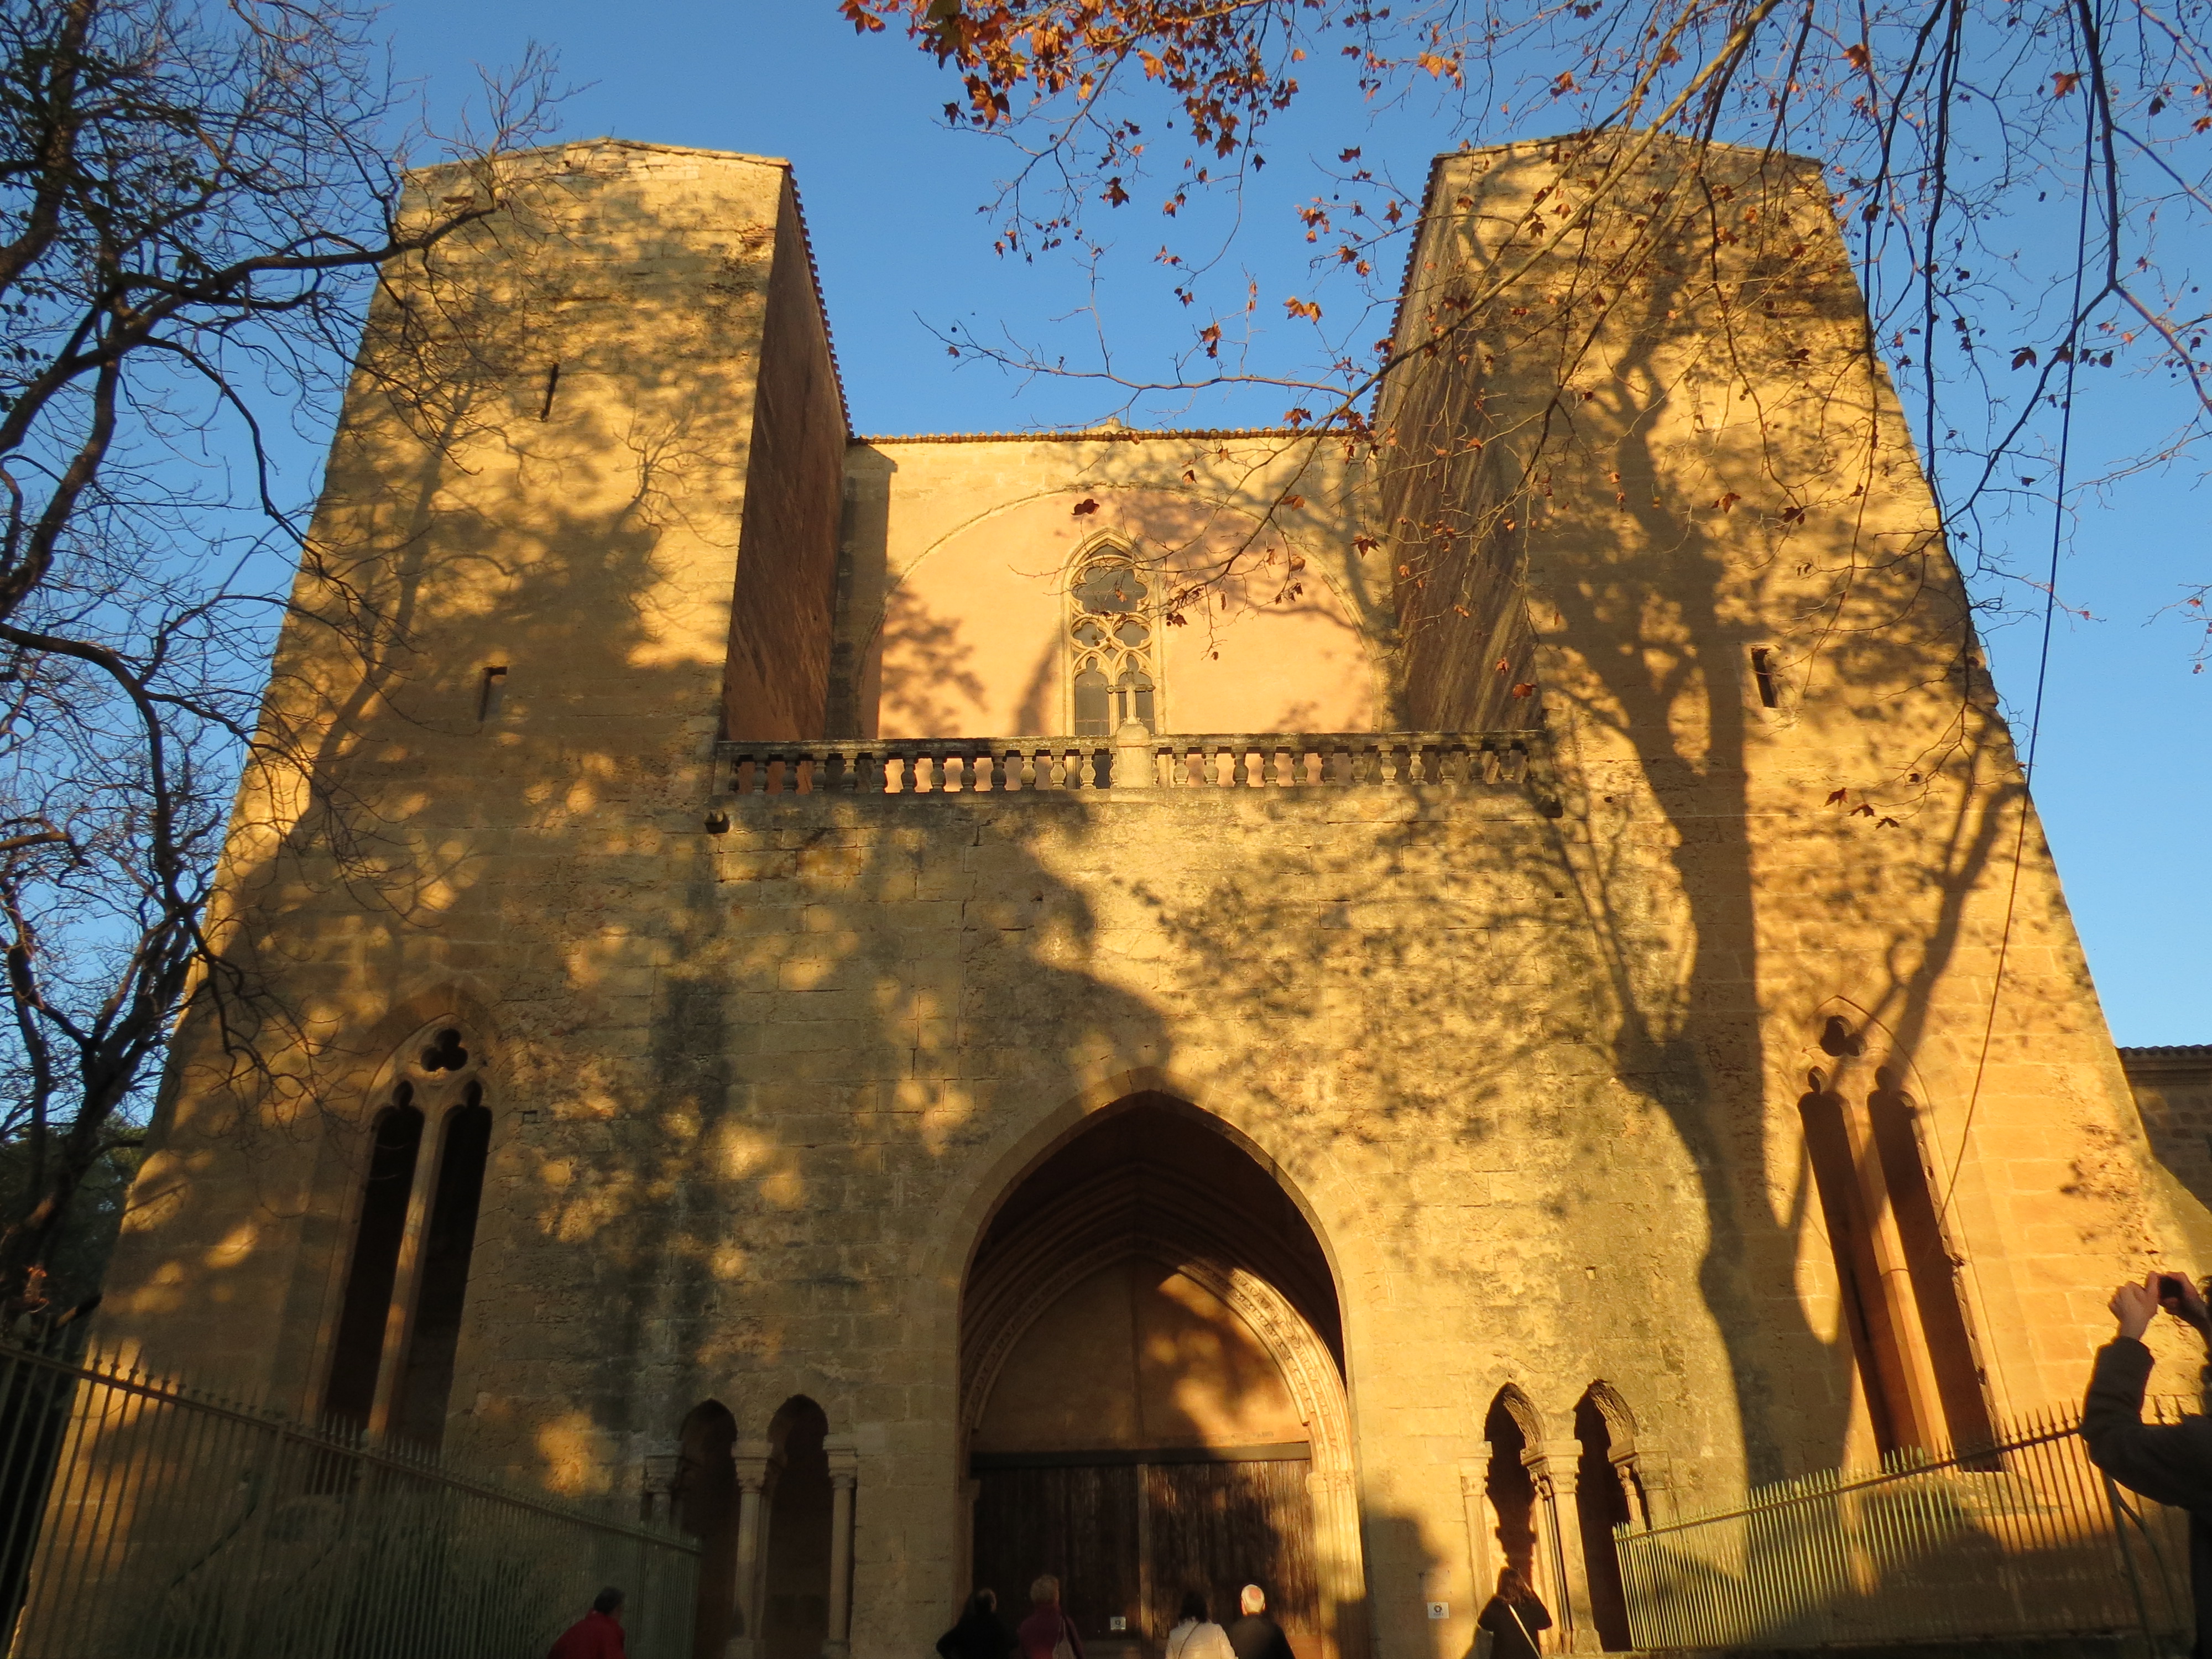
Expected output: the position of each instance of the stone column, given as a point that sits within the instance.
(660, 1487)
(1336, 1549)
(752, 1460)
(844, 1477)
(1551, 1465)
(1474, 1505)
(399, 1314)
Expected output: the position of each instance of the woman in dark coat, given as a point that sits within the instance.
(981, 1634)
(1513, 1617)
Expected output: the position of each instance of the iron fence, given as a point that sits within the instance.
(2023, 1537)
(142, 1520)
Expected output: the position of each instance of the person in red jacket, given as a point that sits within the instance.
(598, 1634)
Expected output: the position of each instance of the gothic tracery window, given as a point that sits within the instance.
(1113, 672)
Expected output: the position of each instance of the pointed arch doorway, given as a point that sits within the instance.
(1152, 1391)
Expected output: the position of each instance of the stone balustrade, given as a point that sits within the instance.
(1134, 759)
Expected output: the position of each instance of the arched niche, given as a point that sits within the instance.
(1152, 1391)
(705, 1497)
(1514, 1430)
(1606, 1495)
(794, 1602)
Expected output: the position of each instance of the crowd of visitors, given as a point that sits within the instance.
(1508, 1627)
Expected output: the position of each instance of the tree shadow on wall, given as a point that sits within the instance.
(1665, 503)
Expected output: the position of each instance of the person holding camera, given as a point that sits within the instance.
(2168, 1463)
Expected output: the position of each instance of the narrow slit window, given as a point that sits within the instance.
(428, 1385)
(552, 384)
(395, 1144)
(1762, 673)
(491, 695)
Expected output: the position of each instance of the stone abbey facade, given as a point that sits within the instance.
(1167, 1007)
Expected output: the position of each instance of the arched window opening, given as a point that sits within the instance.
(795, 1611)
(1875, 1352)
(393, 1352)
(1512, 1496)
(706, 1505)
(1602, 1501)
(395, 1142)
(1933, 1273)
(427, 1384)
(1113, 668)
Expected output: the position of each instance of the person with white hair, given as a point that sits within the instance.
(1255, 1636)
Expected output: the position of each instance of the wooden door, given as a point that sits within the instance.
(1218, 1527)
(1127, 1539)
(1080, 1524)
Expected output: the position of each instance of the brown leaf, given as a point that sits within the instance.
(1086, 506)
(1524, 689)
(1839, 797)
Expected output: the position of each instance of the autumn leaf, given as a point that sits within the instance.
(1861, 810)
(1303, 309)
(2063, 84)
(1294, 502)
(1503, 666)
(1858, 56)
(1085, 507)
(1793, 515)
(1727, 503)
(2024, 358)
(1365, 544)
(1524, 689)
(1839, 797)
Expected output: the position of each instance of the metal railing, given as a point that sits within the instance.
(142, 1520)
(1271, 760)
(2021, 1538)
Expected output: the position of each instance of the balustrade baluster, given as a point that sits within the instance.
(1244, 761)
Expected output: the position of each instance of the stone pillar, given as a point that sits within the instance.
(844, 1478)
(1474, 1505)
(752, 1460)
(1337, 1556)
(400, 1315)
(1551, 1465)
(1133, 766)
(1653, 1475)
(661, 1469)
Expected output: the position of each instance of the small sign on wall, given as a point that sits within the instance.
(1117, 1622)
(1440, 1609)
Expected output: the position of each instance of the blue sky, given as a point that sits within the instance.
(2124, 779)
